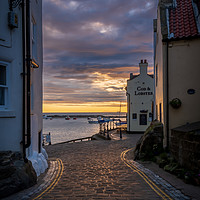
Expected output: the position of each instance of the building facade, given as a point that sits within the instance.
(177, 60)
(139, 99)
(21, 60)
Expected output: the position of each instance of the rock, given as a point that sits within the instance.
(5, 162)
(151, 143)
(6, 172)
(15, 174)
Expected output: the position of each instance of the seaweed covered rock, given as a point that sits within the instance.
(151, 143)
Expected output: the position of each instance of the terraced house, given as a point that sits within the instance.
(140, 100)
(21, 58)
(177, 70)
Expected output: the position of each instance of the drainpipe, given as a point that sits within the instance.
(24, 83)
(28, 64)
(167, 95)
(26, 76)
(129, 110)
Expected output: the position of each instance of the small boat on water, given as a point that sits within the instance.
(67, 118)
(74, 118)
(47, 117)
(91, 121)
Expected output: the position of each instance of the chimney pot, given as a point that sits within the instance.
(145, 61)
(141, 61)
(131, 76)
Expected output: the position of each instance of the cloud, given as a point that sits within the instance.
(91, 46)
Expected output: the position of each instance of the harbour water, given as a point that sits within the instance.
(64, 130)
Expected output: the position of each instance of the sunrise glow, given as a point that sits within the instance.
(90, 49)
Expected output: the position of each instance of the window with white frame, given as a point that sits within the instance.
(3, 85)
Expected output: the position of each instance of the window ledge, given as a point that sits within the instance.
(7, 114)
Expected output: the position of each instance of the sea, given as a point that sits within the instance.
(62, 130)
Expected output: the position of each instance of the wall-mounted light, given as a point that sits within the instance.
(34, 64)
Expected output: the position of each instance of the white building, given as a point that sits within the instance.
(139, 100)
(21, 58)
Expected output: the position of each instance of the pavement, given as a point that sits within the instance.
(104, 169)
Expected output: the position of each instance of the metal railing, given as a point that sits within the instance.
(46, 139)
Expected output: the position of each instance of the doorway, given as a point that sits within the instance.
(143, 119)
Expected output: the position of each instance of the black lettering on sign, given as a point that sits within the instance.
(143, 93)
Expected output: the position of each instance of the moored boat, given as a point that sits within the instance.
(91, 121)
(67, 118)
(47, 117)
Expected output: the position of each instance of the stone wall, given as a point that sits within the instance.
(185, 148)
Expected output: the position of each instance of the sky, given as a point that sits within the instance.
(90, 49)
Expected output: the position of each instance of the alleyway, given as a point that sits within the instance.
(95, 170)
(100, 169)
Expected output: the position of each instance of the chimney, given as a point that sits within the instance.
(131, 76)
(143, 67)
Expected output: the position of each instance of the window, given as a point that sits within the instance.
(3, 85)
(156, 75)
(156, 111)
(134, 116)
(150, 117)
(160, 108)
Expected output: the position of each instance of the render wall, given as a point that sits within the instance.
(184, 71)
(160, 78)
(140, 90)
(36, 77)
(11, 124)
(11, 53)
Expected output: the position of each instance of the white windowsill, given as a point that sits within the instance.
(7, 114)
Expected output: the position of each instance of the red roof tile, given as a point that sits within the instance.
(182, 20)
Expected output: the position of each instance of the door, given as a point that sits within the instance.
(143, 119)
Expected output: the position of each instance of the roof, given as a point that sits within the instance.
(135, 76)
(182, 22)
(151, 75)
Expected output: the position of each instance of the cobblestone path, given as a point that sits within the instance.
(94, 170)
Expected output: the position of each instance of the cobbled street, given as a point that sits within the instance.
(94, 170)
